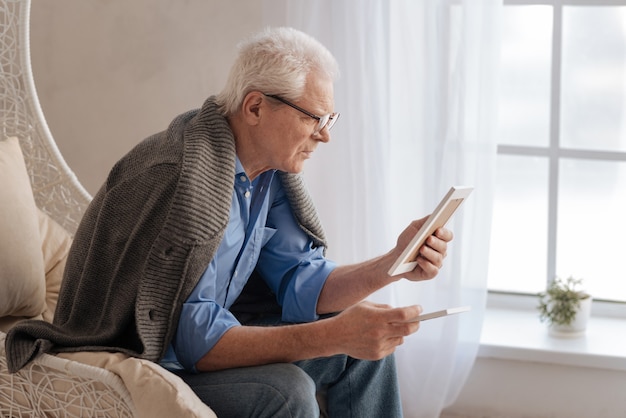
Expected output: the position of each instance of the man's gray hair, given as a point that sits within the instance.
(275, 61)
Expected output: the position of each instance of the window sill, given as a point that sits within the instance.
(517, 334)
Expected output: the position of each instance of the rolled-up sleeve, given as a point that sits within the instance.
(201, 326)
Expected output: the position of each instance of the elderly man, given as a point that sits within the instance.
(203, 251)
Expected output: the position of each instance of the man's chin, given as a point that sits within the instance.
(295, 168)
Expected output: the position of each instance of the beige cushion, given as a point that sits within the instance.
(55, 245)
(22, 278)
(155, 391)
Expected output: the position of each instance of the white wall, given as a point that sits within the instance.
(519, 389)
(110, 73)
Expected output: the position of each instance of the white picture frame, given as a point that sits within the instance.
(443, 212)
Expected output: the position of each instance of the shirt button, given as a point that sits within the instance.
(242, 178)
(247, 193)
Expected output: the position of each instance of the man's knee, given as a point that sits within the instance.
(290, 392)
(273, 390)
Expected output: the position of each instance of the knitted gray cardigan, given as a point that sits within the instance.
(144, 242)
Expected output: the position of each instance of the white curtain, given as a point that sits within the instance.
(417, 98)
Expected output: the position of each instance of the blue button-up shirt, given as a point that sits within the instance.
(279, 249)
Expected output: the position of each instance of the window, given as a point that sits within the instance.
(560, 206)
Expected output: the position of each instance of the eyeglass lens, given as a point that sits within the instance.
(326, 121)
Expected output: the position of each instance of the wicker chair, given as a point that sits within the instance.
(98, 384)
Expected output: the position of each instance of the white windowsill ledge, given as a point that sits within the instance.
(517, 334)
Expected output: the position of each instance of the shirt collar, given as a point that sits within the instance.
(239, 170)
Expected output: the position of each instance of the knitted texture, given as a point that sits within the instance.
(145, 241)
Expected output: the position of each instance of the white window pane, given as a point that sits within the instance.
(592, 225)
(593, 99)
(524, 109)
(517, 260)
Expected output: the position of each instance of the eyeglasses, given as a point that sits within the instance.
(324, 121)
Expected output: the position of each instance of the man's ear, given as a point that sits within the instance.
(252, 107)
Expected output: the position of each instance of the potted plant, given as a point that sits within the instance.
(565, 307)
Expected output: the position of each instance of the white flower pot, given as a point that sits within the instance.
(579, 324)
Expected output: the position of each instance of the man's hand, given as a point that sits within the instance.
(372, 331)
(431, 254)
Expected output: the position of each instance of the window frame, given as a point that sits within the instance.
(554, 153)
